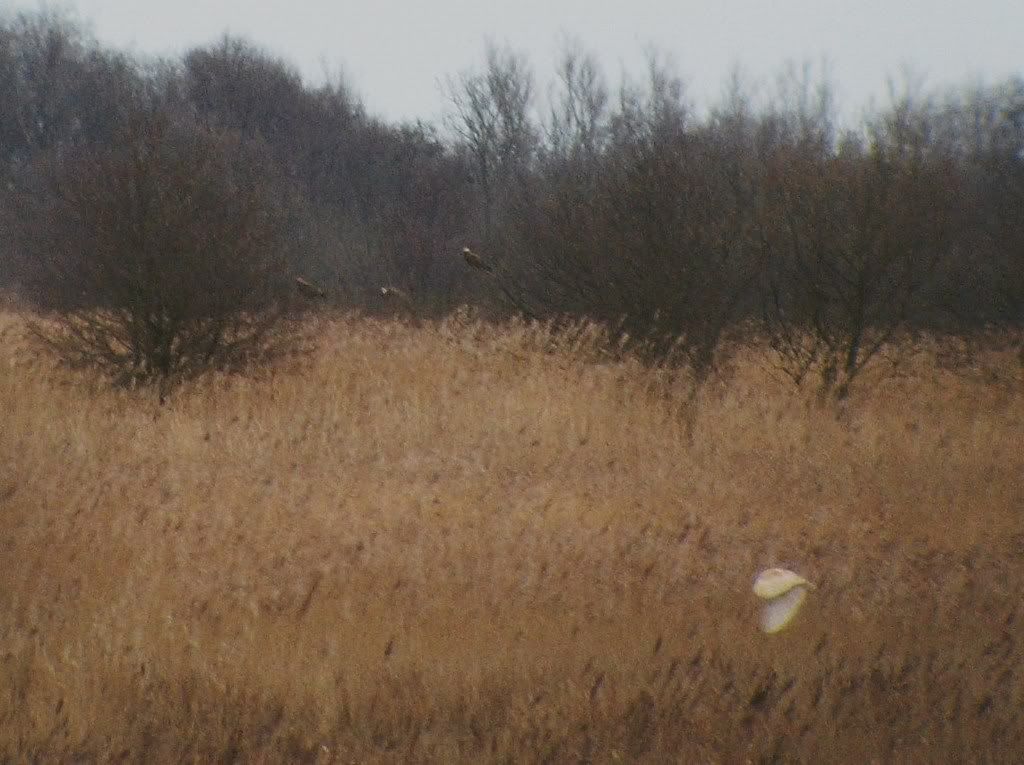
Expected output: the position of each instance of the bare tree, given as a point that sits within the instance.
(629, 221)
(577, 129)
(163, 255)
(851, 241)
(58, 87)
(491, 117)
(985, 128)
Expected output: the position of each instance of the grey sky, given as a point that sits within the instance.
(395, 53)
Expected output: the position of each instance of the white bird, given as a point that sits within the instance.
(783, 593)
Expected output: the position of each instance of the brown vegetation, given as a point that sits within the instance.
(456, 543)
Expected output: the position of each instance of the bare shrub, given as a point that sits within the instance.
(852, 239)
(161, 256)
(630, 219)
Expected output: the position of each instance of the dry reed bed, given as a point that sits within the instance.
(454, 543)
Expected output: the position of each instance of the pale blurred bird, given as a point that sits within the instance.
(476, 261)
(783, 593)
(308, 289)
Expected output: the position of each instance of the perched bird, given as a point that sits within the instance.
(310, 290)
(783, 593)
(476, 261)
(395, 294)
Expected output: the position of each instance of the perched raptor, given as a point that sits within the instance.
(476, 261)
(308, 289)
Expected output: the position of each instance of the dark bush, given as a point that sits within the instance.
(852, 240)
(162, 255)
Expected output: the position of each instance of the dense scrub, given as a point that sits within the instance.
(678, 224)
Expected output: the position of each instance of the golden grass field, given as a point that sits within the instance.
(455, 543)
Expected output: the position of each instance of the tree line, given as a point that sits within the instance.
(174, 212)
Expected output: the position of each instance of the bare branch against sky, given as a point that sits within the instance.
(395, 52)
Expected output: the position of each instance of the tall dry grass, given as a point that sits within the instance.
(453, 543)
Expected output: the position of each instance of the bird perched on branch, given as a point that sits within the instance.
(308, 289)
(476, 261)
(393, 293)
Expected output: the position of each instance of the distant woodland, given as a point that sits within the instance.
(204, 187)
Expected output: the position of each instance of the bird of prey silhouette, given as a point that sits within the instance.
(309, 290)
(476, 261)
(393, 293)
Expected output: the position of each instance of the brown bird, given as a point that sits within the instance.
(476, 261)
(310, 290)
(390, 293)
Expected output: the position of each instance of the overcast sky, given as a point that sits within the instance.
(395, 53)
